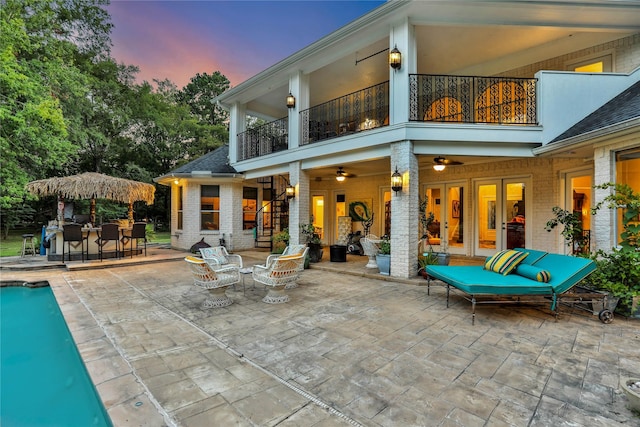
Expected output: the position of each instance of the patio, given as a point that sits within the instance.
(350, 348)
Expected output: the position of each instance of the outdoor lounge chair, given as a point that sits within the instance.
(215, 281)
(282, 271)
(543, 277)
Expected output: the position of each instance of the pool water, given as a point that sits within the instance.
(43, 380)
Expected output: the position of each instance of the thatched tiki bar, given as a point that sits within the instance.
(89, 185)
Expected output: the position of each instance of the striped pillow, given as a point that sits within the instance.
(504, 261)
(532, 272)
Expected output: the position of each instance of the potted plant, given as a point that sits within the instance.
(313, 241)
(428, 258)
(571, 231)
(427, 219)
(618, 270)
(383, 257)
(280, 241)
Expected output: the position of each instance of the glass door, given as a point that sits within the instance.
(318, 216)
(579, 200)
(487, 217)
(446, 202)
(500, 215)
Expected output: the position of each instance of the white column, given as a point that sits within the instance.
(404, 211)
(402, 36)
(237, 124)
(299, 88)
(603, 228)
(299, 205)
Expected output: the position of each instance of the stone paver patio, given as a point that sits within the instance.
(346, 350)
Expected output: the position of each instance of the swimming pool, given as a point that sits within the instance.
(42, 377)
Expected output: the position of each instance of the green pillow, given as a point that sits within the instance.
(505, 261)
(532, 272)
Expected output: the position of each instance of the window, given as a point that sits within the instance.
(601, 64)
(628, 172)
(209, 207)
(180, 207)
(249, 207)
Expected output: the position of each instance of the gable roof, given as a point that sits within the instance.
(214, 163)
(622, 108)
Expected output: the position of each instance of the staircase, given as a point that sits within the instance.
(273, 216)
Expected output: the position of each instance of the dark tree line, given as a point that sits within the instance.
(67, 106)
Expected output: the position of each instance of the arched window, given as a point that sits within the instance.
(502, 102)
(445, 109)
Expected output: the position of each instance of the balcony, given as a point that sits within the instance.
(432, 98)
(465, 99)
(358, 111)
(265, 139)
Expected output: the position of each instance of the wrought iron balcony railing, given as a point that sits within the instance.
(466, 99)
(266, 139)
(358, 111)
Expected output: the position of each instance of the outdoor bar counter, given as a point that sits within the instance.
(54, 252)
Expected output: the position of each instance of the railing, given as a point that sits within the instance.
(358, 111)
(266, 139)
(466, 99)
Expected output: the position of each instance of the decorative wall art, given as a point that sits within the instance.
(360, 210)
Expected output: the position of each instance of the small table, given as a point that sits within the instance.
(244, 272)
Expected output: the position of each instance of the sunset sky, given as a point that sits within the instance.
(177, 39)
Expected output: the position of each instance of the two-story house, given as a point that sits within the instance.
(496, 111)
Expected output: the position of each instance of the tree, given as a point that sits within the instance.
(41, 43)
(33, 132)
(199, 93)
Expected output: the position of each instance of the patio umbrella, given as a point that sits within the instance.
(92, 185)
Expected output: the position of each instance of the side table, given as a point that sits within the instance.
(243, 273)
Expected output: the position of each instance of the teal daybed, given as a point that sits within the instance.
(525, 283)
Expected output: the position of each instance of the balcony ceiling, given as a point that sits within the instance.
(480, 51)
(463, 37)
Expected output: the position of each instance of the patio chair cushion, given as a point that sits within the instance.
(532, 272)
(505, 261)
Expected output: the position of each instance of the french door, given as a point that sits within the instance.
(500, 214)
(446, 201)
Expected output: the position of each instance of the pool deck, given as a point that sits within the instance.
(351, 347)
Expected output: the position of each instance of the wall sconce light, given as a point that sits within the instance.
(396, 181)
(291, 101)
(438, 167)
(395, 58)
(176, 181)
(290, 192)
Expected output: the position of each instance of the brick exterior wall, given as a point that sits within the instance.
(625, 52)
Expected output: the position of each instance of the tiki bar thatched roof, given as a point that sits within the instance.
(91, 185)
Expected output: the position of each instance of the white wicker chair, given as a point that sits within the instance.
(215, 281)
(217, 256)
(289, 250)
(282, 271)
(370, 245)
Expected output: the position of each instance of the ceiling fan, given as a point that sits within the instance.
(341, 175)
(439, 163)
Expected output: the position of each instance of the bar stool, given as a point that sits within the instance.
(28, 245)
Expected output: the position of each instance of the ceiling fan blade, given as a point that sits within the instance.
(442, 161)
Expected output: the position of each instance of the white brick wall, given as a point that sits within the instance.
(625, 51)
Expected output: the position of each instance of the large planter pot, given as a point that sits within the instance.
(384, 264)
(631, 386)
(443, 258)
(315, 252)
